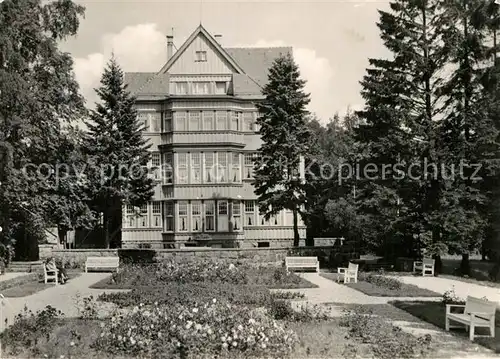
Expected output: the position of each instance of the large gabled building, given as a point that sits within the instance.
(199, 112)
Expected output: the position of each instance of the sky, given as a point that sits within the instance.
(332, 40)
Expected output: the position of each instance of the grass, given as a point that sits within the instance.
(32, 287)
(325, 340)
(435, 313)
(405, 290)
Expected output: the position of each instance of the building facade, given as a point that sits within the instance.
(199, 113)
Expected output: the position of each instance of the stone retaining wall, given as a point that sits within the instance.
(75, 258)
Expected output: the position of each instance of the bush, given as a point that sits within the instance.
(283, 310)
(136, 256)
(384, 282)
(214, 329)
(208, 271)
(387, 341)
(191, 294)
(449, 297)
(29, 328)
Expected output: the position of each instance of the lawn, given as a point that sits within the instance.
(435, 313)
(379, 286)
(203, 310)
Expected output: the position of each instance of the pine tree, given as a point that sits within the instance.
(466, 131)
(403, 101)
(285, 136)
(117, 152)
(38, 92)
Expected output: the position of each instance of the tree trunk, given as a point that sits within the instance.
(296, 236)
(438, 264)
(107, 237)
(62, 233)
(465, 265)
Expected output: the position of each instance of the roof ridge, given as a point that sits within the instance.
(260, 47)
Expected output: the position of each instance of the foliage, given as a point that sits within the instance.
(87, 307)
(191, 294)
(28, 328)
(285, 136)
(283, 310)
(116, 151)
(209, 330)
(39, 96)
(383, 281)
(450, 297)
(136, 256)
(386, 340)
(208, 271)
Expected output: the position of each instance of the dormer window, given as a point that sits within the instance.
(201, 56)
(220, 88)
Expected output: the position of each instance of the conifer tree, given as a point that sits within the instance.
(285, 136)
(117, 152)
(403, 100)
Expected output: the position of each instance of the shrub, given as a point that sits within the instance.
(87, 307)
(450, 297)
(29, 328)
(212, 330)
(191, 294)
(384, 282)
(204, 271)
(283, 310)
(136, 256)
(387, 341)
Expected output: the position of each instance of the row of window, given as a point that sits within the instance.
(203, 167)
(199, 121)
(199, 88)
(198, 216)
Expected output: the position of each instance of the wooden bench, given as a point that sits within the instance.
(102, 263)
(49, 275)
(426, 266)
(477, 313)
(302, 262)
(349, 273)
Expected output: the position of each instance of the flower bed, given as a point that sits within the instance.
(208, 330)
(205, 271)
(196, 293)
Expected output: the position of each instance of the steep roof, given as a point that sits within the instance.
(251, 66)
(256, 61)
(200, 30)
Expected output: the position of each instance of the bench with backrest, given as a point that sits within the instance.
(102, 263)
(49, 275)
(348, 274)
(476, 313)
(426, 266)
(302, 263)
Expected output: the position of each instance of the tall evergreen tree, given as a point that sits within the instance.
(403, 101)
(38, 92)
(285, 136)
(117, 152)
(466, 130)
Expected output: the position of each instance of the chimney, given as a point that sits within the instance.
(170, 46)
(218, 38)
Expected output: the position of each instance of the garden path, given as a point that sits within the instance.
(61, 297)
(462, 289)
(335, 297)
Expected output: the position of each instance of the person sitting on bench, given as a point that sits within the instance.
(51, 266)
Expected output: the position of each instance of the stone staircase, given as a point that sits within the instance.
(28, 267)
